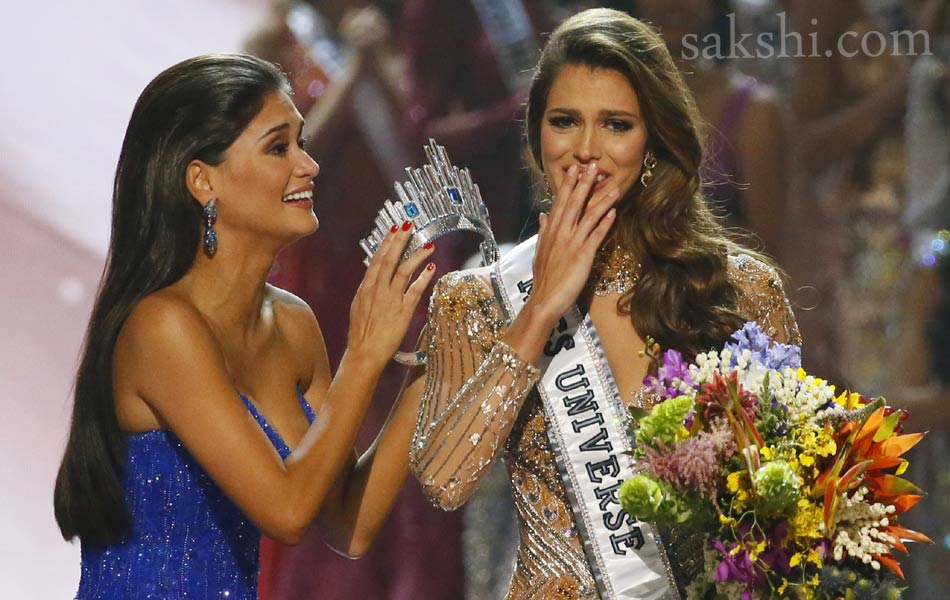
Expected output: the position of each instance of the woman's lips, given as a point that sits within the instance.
(602, 180)
(305, 203)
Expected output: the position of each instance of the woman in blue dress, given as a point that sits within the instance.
(205, 411)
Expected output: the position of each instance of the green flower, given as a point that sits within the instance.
(642, 497)
(777, 487)
(649, 499)
(664, 424)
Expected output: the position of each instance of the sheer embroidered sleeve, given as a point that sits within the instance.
(475, 386)
(762, 298)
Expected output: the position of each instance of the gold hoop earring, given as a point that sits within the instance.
(649, 163)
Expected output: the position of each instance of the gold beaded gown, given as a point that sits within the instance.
(480, 402)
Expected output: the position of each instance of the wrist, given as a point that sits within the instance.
(540, 315)
(363, 360)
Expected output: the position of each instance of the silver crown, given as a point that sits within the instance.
(438, 198)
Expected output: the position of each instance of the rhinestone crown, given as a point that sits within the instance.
(438, 198)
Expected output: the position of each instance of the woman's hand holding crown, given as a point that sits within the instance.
(385, 301)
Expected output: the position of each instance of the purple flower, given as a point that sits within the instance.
(750, 337)
(738, 568)
(780, 356)
(775, 555)
(764, 350)
(673, 369)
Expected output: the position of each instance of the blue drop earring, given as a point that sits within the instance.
(210, 211)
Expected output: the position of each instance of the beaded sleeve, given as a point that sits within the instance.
(762, 298)
(475, 386)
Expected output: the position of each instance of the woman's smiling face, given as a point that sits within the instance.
(593, 115)
(264, 185)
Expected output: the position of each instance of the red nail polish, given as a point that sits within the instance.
(430, 266)
(406, 225)
(427, 246)
(394, 229)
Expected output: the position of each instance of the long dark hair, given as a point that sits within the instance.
(194, 110)
(684, 297)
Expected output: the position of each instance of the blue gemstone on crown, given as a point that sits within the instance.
(455, 195)
(412, 211)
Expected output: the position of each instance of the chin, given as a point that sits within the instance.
(301, 228)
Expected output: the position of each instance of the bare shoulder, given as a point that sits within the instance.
(166, 318)
(165, 338)
(293, 315)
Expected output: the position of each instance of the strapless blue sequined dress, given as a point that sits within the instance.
(188, 539)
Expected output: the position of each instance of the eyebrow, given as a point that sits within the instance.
(603, 114)
(276, 128)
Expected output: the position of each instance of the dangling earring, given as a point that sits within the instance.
(649, 163)
(548, 200)
(211, 237)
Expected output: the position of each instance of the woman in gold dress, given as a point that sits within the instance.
(614, 131)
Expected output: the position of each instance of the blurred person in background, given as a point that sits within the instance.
(206, 411)
(469, 65)
(348, 79)
(847, 240)
(921, 354)
(746, 173)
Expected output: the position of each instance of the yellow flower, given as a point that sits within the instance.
(825, 445)
(733, 480)
(795, 560)
(782, 588)
(757, 550)
(767, 452)
(847, 399)
(727, 521)
(806, 523)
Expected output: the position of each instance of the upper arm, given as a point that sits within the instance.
(762, 298)
(180, 372)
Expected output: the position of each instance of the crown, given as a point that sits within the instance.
(438, 198)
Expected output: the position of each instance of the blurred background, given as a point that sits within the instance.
(829, 138)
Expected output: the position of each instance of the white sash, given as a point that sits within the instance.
(587, 426)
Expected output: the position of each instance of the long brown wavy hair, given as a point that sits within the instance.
(684, 298)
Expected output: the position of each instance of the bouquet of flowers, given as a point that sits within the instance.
(797, 490)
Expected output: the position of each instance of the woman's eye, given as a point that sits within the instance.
(303, 143)
(280, 149)
(561, 122)
(618, 126)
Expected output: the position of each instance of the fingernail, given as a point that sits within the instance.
(592, 167)
(406, 225)
(394, 229)
(572, 170)
(428, 246)
(430, 266)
